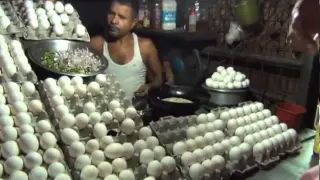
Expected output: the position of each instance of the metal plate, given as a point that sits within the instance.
(36, 51)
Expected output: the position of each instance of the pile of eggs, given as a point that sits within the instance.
(60, 91)
(227, 78)
(56, 15)
(4, 19)
(29, 149)
(13, 58)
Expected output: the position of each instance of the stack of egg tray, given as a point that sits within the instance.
(16, 26)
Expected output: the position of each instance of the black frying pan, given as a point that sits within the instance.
(163, 108)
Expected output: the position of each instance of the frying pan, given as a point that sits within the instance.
(164, 108)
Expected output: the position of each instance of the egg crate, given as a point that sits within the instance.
(16, 26)
(75, 106)
(133, 163)
(43, 34)
(18, 76)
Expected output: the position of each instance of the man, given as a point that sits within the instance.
(304, 29)
(130, 57)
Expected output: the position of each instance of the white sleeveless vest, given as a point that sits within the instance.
(130, 75)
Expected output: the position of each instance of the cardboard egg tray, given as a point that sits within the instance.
(75, 106)
(16, 26)
(18, 77)
(42, 34)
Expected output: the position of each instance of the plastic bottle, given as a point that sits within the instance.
(169, 14)
(193, 21)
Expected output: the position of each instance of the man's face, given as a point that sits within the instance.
(120, 20)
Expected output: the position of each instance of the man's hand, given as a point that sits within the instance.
(304, 28)
(170, 79)
(143, 90)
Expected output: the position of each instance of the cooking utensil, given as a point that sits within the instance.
(36, 52)
(164, 108)
(226, 97)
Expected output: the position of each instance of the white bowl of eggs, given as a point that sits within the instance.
(227, 87)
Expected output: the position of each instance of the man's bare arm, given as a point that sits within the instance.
(153, 63)
(96, 43)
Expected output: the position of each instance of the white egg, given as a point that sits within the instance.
(32, 160)
(35, 106)
(105, 141)
(89, 172)
(76, 149)
(215, 84)
(114, 150)
(240, 132)
(10, 70)
(266, 112)
(219, 135)
(4, 22)
(257, 137)
(246, 149)
(253, 108)
(93, 88)
(264, 134)
(225, 115)
(209, 82)
(208, 150)
(28, 88)
(38, 173)
(275, 119)
(34, 23)
(218, 148)
(2, 99)
(43, 126)
(95, 118)
(268, 122)
(260, 106)
(199, 155)
(154, 169)
(18, 106)
(47, 140)
(235, 154)
(292, 133)
(119, 165)
(250, 140)
(179, 148)
(51, 13)
(267, 144)
(249, 129)
(152, 142)
(82, 161)
(89, 108)
(76, 80)
(80, 89)
(15, 96)
(219, 124)
(68, 136)
(28, 4)
(200, 141)
(9, 148)
(80, 30)
(92, 145)
(104, 169)
(168, 164)
(202, 118)
(196, 171)
(107, 117)
(235, 141)
(18, 175)
(56, 169)
(59, 7)
(61, 110)
(26, 128)
(67, 121)
(129, 150)
(188, 159)
(97, 157)
(114, 104)
(58, 29)
(13, 163)
(201, 129)
(44, 23)
(9, 133)
(119, 114)
(68, 8)
(258, 149)
(4, 110)
(128, 174)
(262, 125)
(56, 101)
(210, 127)
(139, 146)
(111, 177)
(28, 143)
(48, 5)
(191, 144)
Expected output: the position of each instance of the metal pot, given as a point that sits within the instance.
(226, 97)
(247, 12)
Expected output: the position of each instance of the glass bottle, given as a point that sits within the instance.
(156, 15)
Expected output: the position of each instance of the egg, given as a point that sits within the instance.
(89, 108)
(196, 171)
(106, 117)
(92, 145)
(80, 30)
(208, 151)
(82, 161)
(144, 133)
(225, 115)
(210, 138)
(15, 96)
(55, 169)
(188, 159)
(253, 117)
(149, 178)
(154, 169)
(18, 175)
(191, 145)
(219, 125)
(215, 84)
(18, 107)
(95, 118)
(240, 132)
(250, 139)
(35, 106)
(284, 127)
(111, 177)
(119, 114)
(80, 89)
(28, 88)
(34, 23)
(277, 128)
(9, 148)
(76, 149)
(51, 13)
(114, 150)
(44, 24)
(68, 8)
(47, 140)
(28, 143)
(210, 127)
(139, 146)
(58, 29)
(240, 121)
(54, 90)
(51, 155)
(4, 22)
(61, 110)
(8, 133)
(56, 101)
(129, 150)
(13, 163)
(89, 172)
(268, 122)
(258, 149)
(249, 129)
(235, 141)
(292, 133)
(114, 104)
(99, 130)
(28, 4)
(129, 175)
(26, 128)
(218, 162)
(201, 129)
(4, 110)
(246, 149)
(235, 154)
(219, 135)
(93, 88)
(68, 91)
(67, 121)
(209, 82)
(97, 157)
(48, 5)
(105, 141)
(2, 99)
(152, 142)
(266, 112)
(255, 127)
(62, 177)
(199, 154)
(38, 173)
(68, 136)
(104, 169)
(119, 165)
(262, 125)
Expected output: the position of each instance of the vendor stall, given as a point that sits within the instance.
(62, 117)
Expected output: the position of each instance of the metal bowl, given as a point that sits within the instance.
(226, 97)
(36, 52)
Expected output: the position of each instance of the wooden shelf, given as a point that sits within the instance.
(179, 35)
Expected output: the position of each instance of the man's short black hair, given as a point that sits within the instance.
(131, 3)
